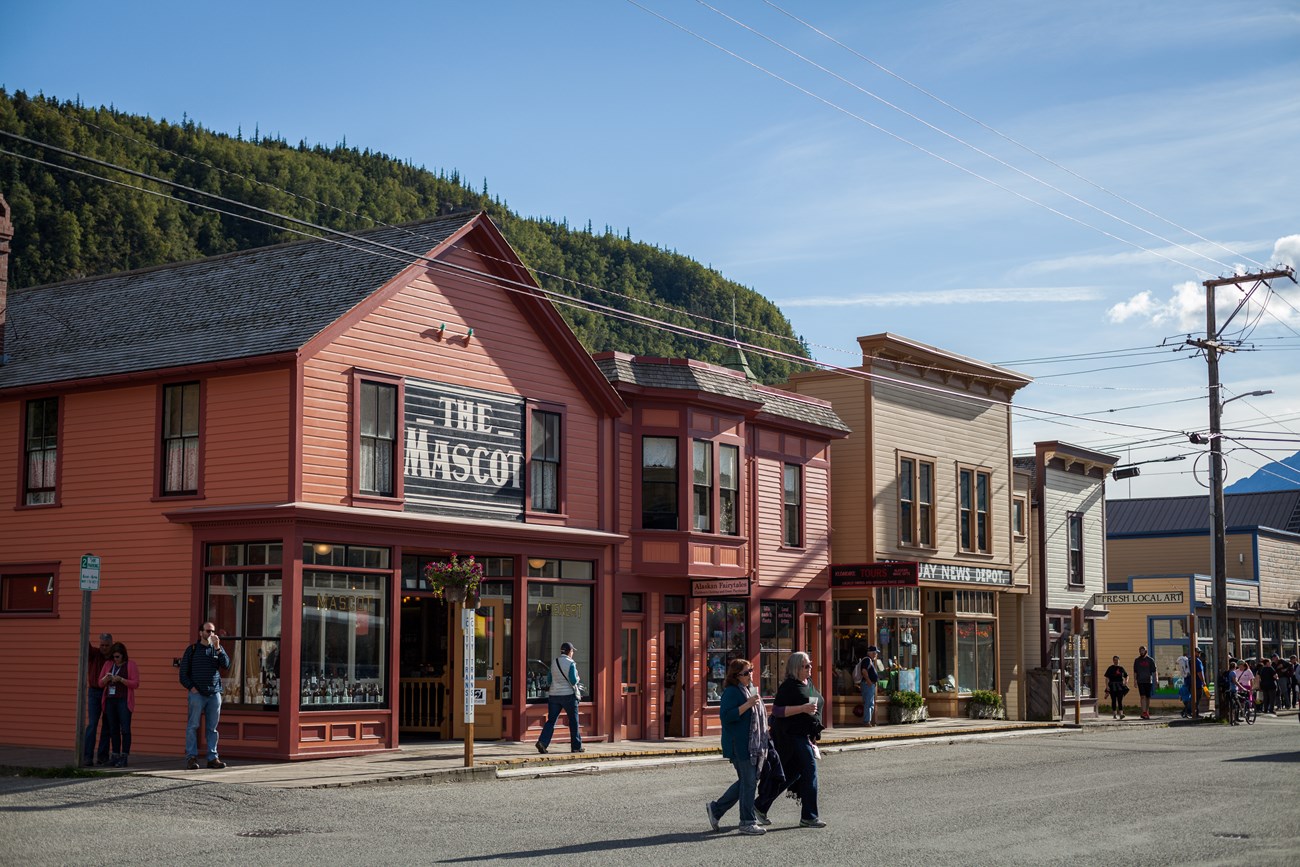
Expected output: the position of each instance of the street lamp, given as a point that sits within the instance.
(1218, 552)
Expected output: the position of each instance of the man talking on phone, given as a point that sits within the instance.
(201, 676)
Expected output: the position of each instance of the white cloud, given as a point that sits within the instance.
(1287, 250)
(1048, 295)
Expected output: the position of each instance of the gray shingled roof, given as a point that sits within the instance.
(240, 305)
(1274, 510)
(672, 374)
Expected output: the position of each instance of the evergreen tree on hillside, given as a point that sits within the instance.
(69, 226)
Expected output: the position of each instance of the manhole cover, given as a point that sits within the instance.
(272, 832)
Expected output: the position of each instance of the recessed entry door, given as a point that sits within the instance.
(488, 648)
(630, 676)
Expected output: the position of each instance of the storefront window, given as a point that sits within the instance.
(850, 634)
(1269, 639)
(344, 638)
(900, 652)
(775, 643)
(1288, 638)
(1063, 647)
(961, 654)
(505, 591)
(724, 624)
(1250, 639)
(1205, 644)
(940, 647)
(1168, 642)
(557, 613)
(245, 603)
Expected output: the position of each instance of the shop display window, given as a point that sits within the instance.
(961, 653)
(1249, 639)
(1269, 643)
(1168, 642)
(900, 652)
(244, 600)
(1062, 647)
(775, 643)
(724, 624)
(344, 638)
(504, 590)
(557, 613)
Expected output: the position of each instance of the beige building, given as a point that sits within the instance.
(926, 550)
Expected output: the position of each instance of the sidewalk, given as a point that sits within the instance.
(446, 759)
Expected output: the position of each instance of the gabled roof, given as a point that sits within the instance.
(679, 374)
(259, 302)
(1273, 510)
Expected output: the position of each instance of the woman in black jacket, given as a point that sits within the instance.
(796, 725)
(1116, 685)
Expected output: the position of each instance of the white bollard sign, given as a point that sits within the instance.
(467, 616)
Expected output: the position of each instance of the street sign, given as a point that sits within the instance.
(467, 670)
(1169, 597)
(480, 695)
(89, 572)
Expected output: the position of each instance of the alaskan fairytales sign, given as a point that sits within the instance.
(464, 451)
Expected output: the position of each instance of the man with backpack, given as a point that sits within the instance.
(866, 675)
(201, 676)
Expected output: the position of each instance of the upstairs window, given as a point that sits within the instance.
(1074, 524)
(915, 502)
(378, 439)
(973, 509)
(180, 439)
(27, 590)
(729, 490)
(792, 500)
(1018, 517)
(544, 465)
(41, 451)
(702, 484)
(659, 483)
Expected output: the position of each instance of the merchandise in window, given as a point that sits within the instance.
(557, 613)
(775, 643)
(851, 634)
(180, 439)
(245, 603)
(724, 626)
(1063, 648)
(900, 652)
(345, 627)
(41, 451)
(378, 439)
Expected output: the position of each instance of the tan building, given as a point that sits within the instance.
(923, 542)
(1158, 563)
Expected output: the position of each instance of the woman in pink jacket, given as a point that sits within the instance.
(119, 678)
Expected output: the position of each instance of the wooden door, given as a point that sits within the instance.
(632, 687)
(489, 631)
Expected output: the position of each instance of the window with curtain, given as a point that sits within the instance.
(41, 451)
(659, 483)
(180, 439)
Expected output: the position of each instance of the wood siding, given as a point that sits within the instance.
(1065, 493)
(1279, 566)
(1178, 555)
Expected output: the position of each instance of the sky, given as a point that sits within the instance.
(1043, 186)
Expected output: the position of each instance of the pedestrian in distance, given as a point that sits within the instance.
(96, 656)
(796, 728)
(1245, 683)
(200, 674)
(1144, 672)
(744, 742)
(867, 676)
(1266, 682)
(565, 691)
(118, 679)
(1117, 686)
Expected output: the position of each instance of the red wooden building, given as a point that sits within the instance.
(281, 440)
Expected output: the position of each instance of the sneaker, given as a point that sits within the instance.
(761, 817)
(812, 823)
(191, 764)
(216, 763)
(753, 830)
(713, 820)
(579, 750)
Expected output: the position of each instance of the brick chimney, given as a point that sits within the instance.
(6, 235)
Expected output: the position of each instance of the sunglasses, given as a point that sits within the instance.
(748, 671)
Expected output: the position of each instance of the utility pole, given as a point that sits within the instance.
(1214, 346)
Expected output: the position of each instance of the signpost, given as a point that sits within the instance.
(467, 615)
(1076, 630)
(89, 584)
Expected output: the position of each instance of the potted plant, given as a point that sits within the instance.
(906, 706)
(985, 704)
(455, 580)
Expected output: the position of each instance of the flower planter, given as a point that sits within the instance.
(899, 715)
(985, 711)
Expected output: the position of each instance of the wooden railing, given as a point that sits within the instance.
(422, 704)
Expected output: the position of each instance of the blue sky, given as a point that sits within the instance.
(598, 110)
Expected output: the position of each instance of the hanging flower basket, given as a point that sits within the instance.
(455, 580)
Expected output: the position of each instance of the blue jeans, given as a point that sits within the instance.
(868, 702)
(569, 704)
(742, 790)
(95, 709)
(117, 716)
(210, 707)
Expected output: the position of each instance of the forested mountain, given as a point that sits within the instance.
(70, 225)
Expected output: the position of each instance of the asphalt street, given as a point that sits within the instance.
(1194, 795)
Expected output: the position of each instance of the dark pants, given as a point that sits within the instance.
(1270, 699)
(803, 765)
(118, 717)
(94, 711)
(1116, 699)
(569, 704)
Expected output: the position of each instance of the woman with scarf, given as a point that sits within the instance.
(744, 742)
(796, 726)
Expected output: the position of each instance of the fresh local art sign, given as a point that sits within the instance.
(1172, 597)
(464, 451)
